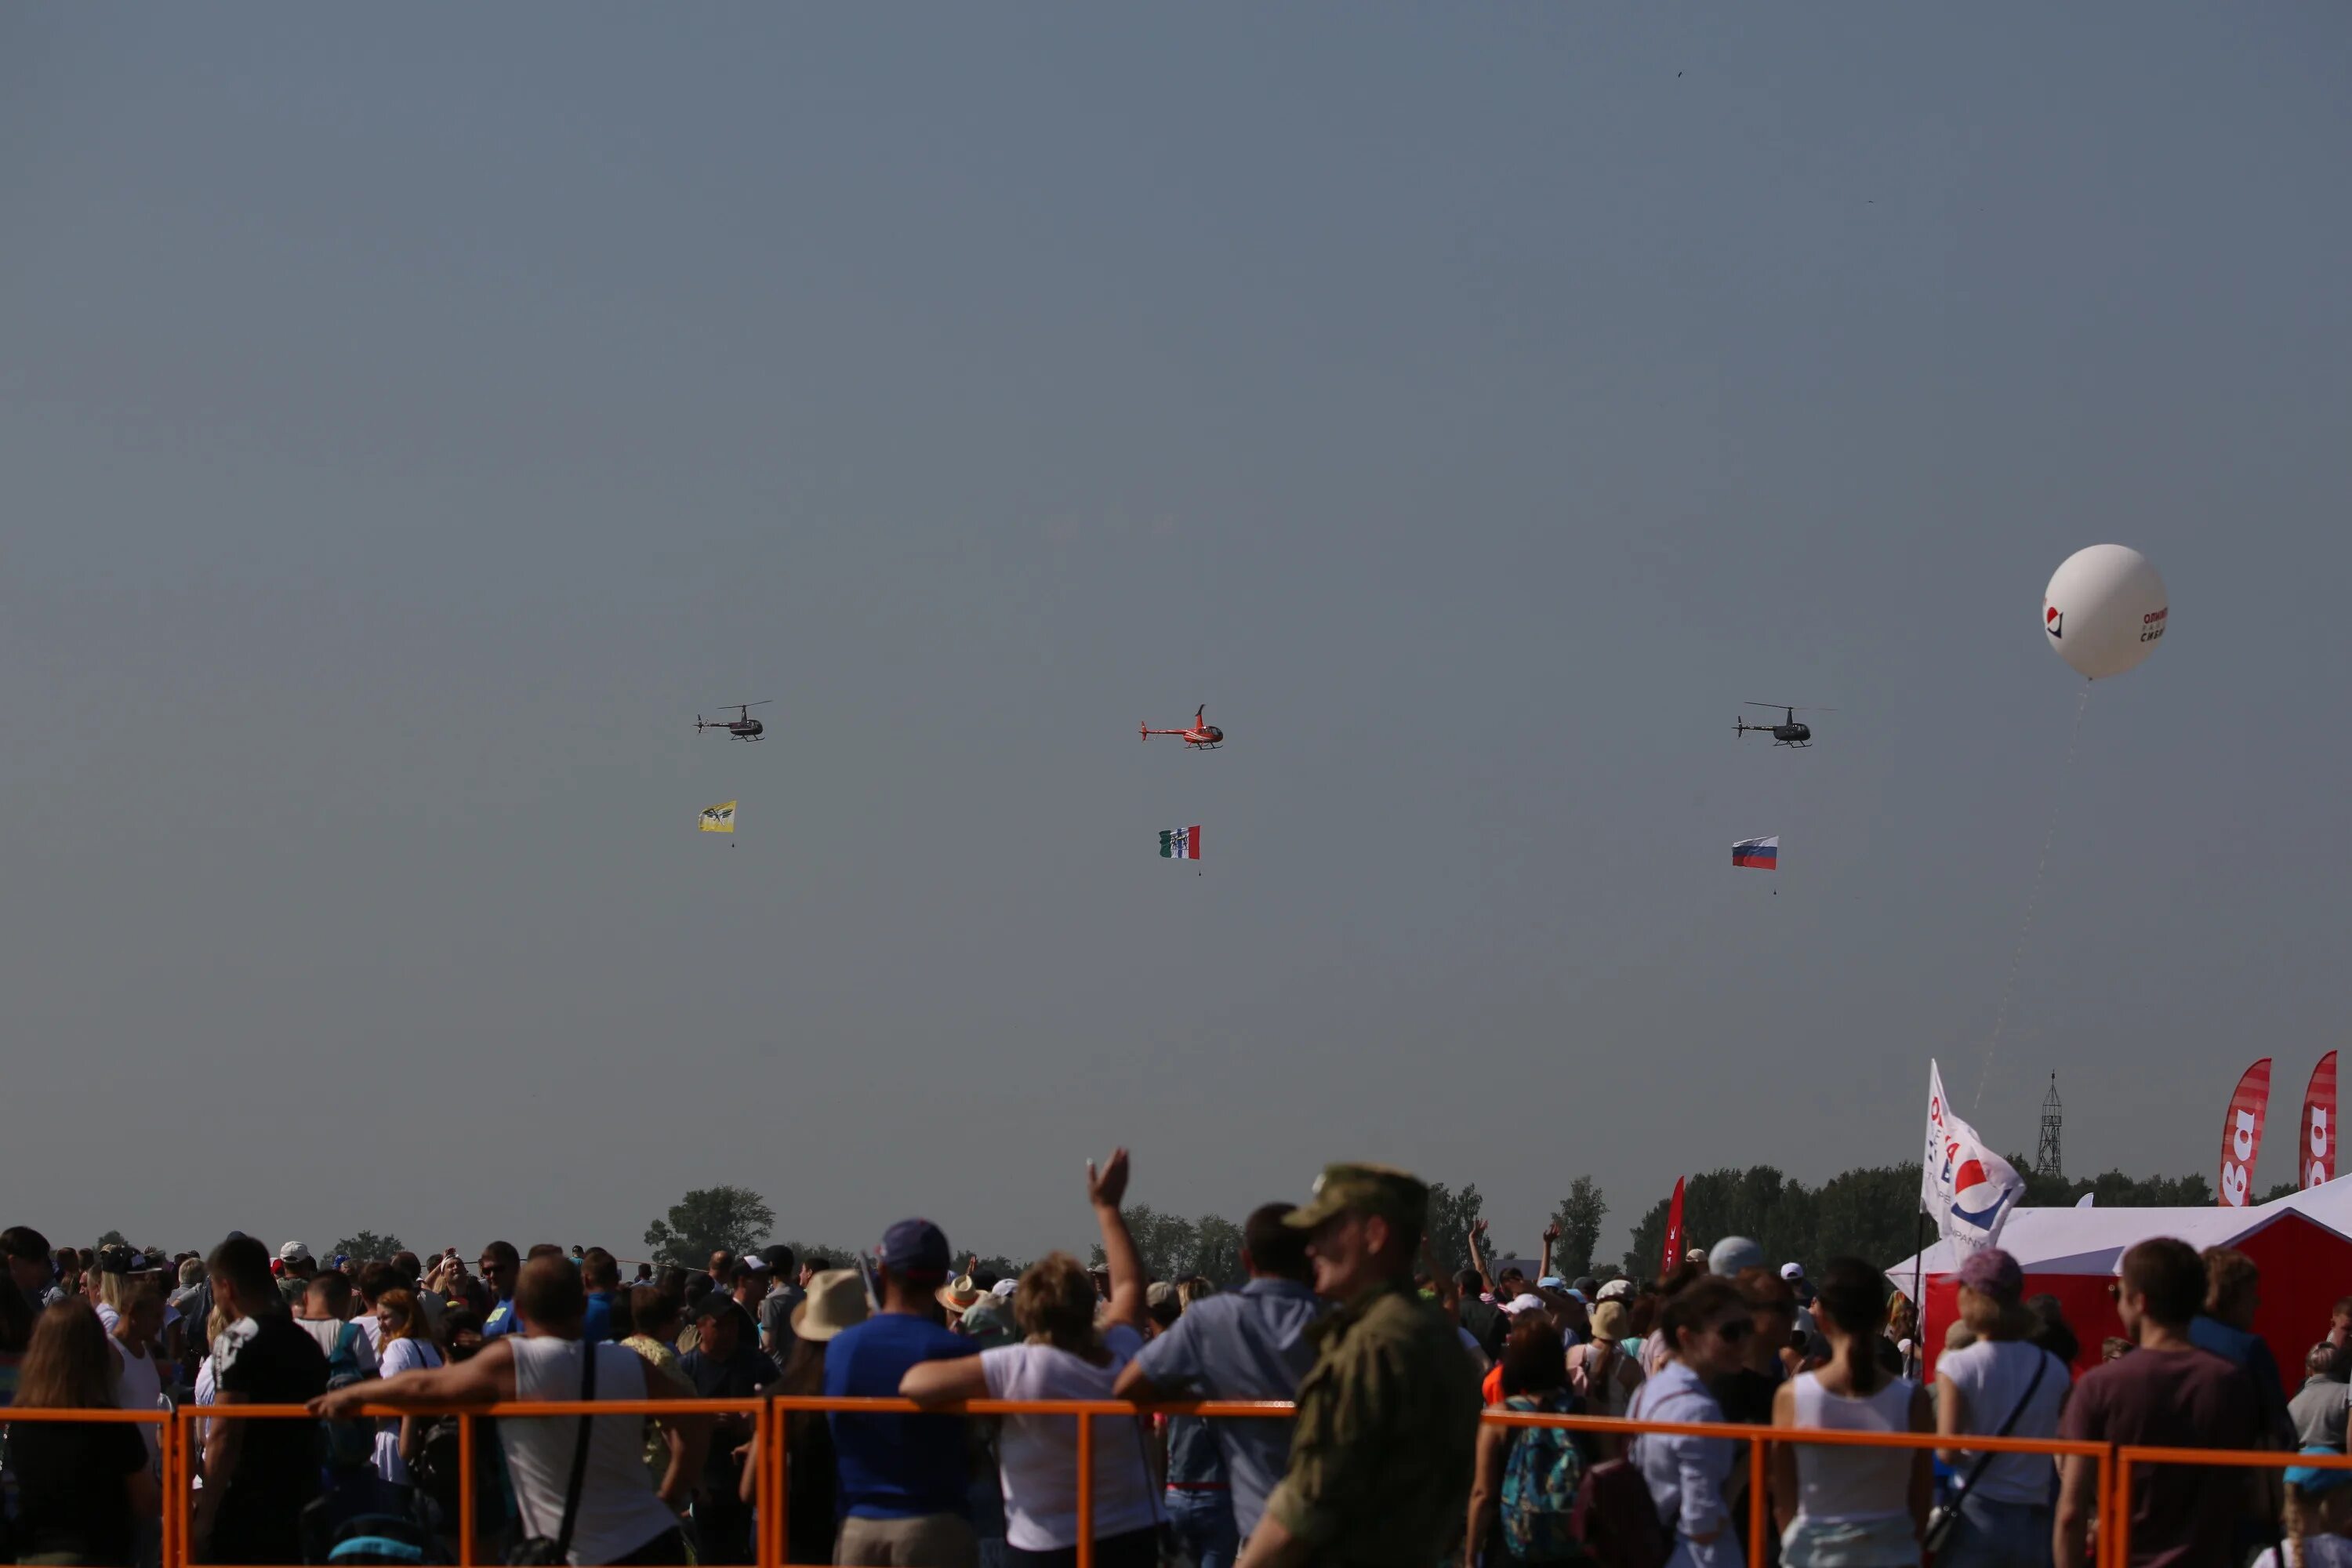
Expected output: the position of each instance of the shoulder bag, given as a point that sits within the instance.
(538, 1551)
(1941, 1520)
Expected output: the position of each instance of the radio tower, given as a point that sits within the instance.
(2047, 1160)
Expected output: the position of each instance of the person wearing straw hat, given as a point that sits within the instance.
(833, 1299)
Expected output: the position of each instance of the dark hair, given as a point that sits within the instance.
(782, 1259)
(549, 1294)
(23, 1241)
(378, 1277)
(698, 1286)
(245, 1264)
(406, 1265)
(502, 1252)
(652, 1309)
(673, 1281)
(334, 1289)
(2229, 1275)
(1765, 1292)
(599, 1270)
(1534, 1359)
(1695, 1306)
(2169, 1278)
(543, 1249)
(2050, 1331)
(1273, 1246)
(817, 1263)
(16, 1318)
(1852, 1299)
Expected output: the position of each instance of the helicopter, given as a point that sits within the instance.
(743, 727)
(1788, 731)
(1203, 736)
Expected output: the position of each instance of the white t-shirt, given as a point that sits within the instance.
(1992, 1375)
(2313, 1551)
(371, 1331)
(405, 1354)
(1038, 1455)
(329, 1332)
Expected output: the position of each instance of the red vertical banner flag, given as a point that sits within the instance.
(1673, 1232)
(2242, 1134)
(2318, 1159)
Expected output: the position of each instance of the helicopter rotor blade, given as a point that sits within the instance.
(1790, 707)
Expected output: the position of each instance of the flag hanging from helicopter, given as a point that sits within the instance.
(1758, 854)
(1180, 843)
(719, 818)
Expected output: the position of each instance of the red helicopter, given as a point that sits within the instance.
(1203, 736)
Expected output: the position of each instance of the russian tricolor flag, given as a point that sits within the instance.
(1758, 854)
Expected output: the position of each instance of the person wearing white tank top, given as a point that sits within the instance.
(622, 1518)
(1842, 1506)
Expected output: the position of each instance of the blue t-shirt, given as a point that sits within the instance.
(502, 1320)
(597, 1326)
(893, 1466)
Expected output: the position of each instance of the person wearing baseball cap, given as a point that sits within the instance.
(1391, 1409)
(294, 1282)
(905, 1487)
(2002, 1383)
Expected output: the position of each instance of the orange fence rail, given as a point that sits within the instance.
(179, 1451)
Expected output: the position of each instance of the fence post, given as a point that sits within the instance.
(773, 1506)
(2115, 1523)
(1759, 1485)
(168, 1449)
(1085, 1491)
(465, 1489)
(183, 1504)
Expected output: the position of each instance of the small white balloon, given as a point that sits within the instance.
(2104, 610)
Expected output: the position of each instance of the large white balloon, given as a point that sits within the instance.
(2104, 610)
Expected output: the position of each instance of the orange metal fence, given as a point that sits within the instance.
(179, 1449)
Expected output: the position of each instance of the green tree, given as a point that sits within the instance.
(1870, 1213)
(1451, 1216)
(367, 1246)
(1579, 1217)
(1217, 1249)
(707, 1220)
(112, 1238)
(1165, 1241)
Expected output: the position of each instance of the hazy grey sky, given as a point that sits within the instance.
(410, 417)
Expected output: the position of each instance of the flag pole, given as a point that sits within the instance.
(1918, 1295)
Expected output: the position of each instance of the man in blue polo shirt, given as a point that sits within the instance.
(903, 1477)
(1249, 1343)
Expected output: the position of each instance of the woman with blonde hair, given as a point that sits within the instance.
(81, 1486)
(1065, 1355)
(404, 1344)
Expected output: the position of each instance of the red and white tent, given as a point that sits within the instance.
(2301, 1243)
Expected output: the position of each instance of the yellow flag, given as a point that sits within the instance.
(719, 818)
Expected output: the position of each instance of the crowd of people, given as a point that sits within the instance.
(1387, 1459)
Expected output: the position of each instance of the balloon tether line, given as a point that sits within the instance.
(2032, 900)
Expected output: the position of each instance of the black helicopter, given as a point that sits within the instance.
(1788, 731)
(743, 727)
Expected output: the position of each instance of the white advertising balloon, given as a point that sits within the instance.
(2104, 610)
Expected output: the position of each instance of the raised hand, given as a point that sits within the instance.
(1551, 1231)
(1105, 1190)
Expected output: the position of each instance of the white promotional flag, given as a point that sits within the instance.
(1965, 1188)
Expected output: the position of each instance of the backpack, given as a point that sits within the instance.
(350, 1441)
(1595, 1375)
(1541, 1479)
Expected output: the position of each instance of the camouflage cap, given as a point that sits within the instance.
(1397, 1196)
